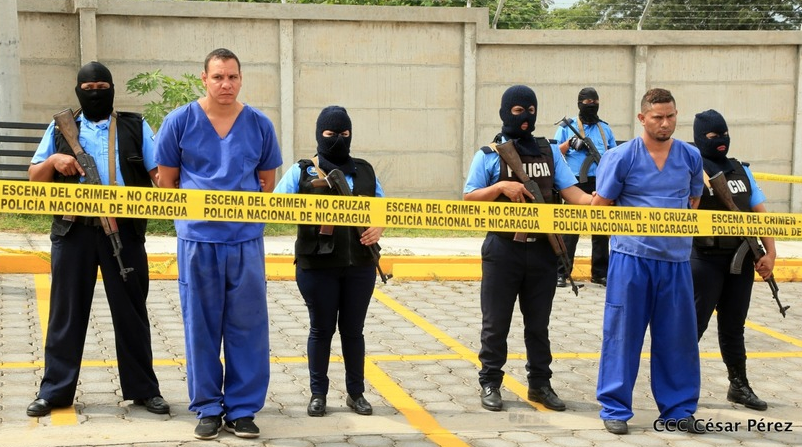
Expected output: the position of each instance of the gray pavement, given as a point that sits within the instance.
(422, 338)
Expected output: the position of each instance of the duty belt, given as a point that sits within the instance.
(88, 221)
(530, 237)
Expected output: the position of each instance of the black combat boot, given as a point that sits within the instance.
(740, 392)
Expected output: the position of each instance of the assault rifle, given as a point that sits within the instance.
(510, 156)
(593, 154)
(336, 180)
(65, 121)
(718, 183)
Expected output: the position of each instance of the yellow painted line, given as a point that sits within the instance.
(513, 385)
(445, 272)
(41, 284)
(394, 358)
(417, 416)
(18, 261)
(772, 333)
(413, 357)
(163, 266)
(431, 329)
(59, 416)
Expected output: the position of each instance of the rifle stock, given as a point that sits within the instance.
(65, 121)
(718, 183)
(507, 152)
(594, 154)
(336, 181)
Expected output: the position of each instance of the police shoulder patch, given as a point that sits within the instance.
(311, 171)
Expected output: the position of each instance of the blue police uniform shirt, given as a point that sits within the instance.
(289, 181)
(628, 175)
(94, 139)
(757, 194)
(485, 170)
(574, 157)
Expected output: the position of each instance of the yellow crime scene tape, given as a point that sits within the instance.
(153, 203)
(777, 177)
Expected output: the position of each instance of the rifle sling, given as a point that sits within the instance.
(601, 131)
(326, 230)
(112, 144)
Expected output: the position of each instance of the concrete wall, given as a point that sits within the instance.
(423, 84)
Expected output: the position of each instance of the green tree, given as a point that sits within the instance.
(171, 93)
(679, 15)
(515, 14)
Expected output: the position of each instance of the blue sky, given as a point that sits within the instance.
(563, 3)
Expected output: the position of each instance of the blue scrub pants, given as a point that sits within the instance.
(224, 300)
(659, 294)
(336, 298)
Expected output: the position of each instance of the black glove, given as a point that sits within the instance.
(576, 143)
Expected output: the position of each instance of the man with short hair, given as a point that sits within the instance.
(590, 126)
(80, 246)
(219, 143)
(650, 282)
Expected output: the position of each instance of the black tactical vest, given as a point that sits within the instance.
(342, 248)
(741, 190)
(132, 166)
(540, 169)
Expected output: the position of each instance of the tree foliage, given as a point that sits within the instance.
(171, 93)
(617, 14)
(698, 15)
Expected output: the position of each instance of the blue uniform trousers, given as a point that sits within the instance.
(75, 260)
(337, 298)
(659, 294)
(526, 271)
(223, 300)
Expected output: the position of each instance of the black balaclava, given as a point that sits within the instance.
(519, 95)
(713, 150)
(97, 105)
(588, 113)
(334, 151)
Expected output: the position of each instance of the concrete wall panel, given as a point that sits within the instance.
(715, 64)
(409, 75)
(384, 43)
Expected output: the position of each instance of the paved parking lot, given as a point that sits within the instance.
(422, 339)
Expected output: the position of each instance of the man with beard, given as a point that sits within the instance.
(650, 280)
(588, 124)
(219, 143)
(334, 269)
(714, 286)
(524, 270)
(80, 246)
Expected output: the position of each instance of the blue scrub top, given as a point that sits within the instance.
(629, 176)
(188, 141)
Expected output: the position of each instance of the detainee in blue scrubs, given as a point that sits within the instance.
(219, 143)
(649, 280)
